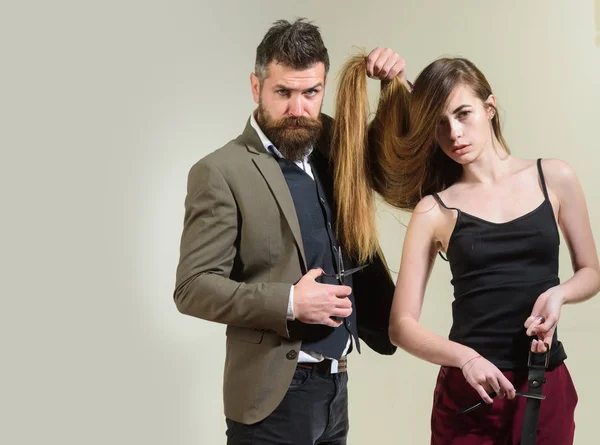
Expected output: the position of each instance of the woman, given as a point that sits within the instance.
(439, 152)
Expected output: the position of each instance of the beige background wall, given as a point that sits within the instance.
(105, 106)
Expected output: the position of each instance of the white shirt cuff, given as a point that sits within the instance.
(290, 308)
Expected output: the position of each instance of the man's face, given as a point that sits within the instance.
(289, 107)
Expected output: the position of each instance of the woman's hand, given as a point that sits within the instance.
(485, 377)
(544, 315)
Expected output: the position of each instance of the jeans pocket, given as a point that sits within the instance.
(300, 378)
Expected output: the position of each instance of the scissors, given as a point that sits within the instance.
(494, 394)
(342, 273)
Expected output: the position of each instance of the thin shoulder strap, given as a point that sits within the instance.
(438, 199)
(541, 173)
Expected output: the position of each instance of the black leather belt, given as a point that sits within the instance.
(537, 364)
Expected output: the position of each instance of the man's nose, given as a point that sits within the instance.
(296, 106)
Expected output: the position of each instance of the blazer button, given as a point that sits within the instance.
(291, 355)
(348, 323)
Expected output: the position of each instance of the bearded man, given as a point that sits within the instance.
(259, 253)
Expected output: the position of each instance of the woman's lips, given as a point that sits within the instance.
(461, 149)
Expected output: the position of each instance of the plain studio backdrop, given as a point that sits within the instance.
(104, 108)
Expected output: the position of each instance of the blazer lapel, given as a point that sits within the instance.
(271, 172)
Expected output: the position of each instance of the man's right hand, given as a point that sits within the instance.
(316, 303)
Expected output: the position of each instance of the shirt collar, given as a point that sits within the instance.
(264, 139)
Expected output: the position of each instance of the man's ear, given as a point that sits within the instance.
(255, 85)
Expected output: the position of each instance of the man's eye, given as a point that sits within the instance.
(282, 92)
(311, 92)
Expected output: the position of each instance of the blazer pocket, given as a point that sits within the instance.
(245, 334)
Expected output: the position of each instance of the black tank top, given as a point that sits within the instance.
(498, 272)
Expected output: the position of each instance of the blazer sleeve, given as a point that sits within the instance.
(208, 251)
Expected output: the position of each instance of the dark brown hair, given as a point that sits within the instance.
(296, 45)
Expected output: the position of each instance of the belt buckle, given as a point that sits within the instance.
(530, 363)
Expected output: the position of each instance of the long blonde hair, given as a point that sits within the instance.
(397, 154)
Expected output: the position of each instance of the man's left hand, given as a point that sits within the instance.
(385, 64)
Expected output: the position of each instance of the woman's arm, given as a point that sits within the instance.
(418, 256)
(574, 222)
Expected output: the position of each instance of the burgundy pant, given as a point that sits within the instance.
(500, 423)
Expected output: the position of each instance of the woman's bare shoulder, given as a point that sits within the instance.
(558, 170)
(428, 211)
(561, 179)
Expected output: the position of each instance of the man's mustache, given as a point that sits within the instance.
(304, 122)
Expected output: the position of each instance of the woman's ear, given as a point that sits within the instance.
(490, 105)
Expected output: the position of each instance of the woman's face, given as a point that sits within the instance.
(464, 130)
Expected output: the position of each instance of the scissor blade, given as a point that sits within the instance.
(470, 408)
(493, 394)
(355, 269)
(531, 396)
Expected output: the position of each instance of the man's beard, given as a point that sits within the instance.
(292, 136)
